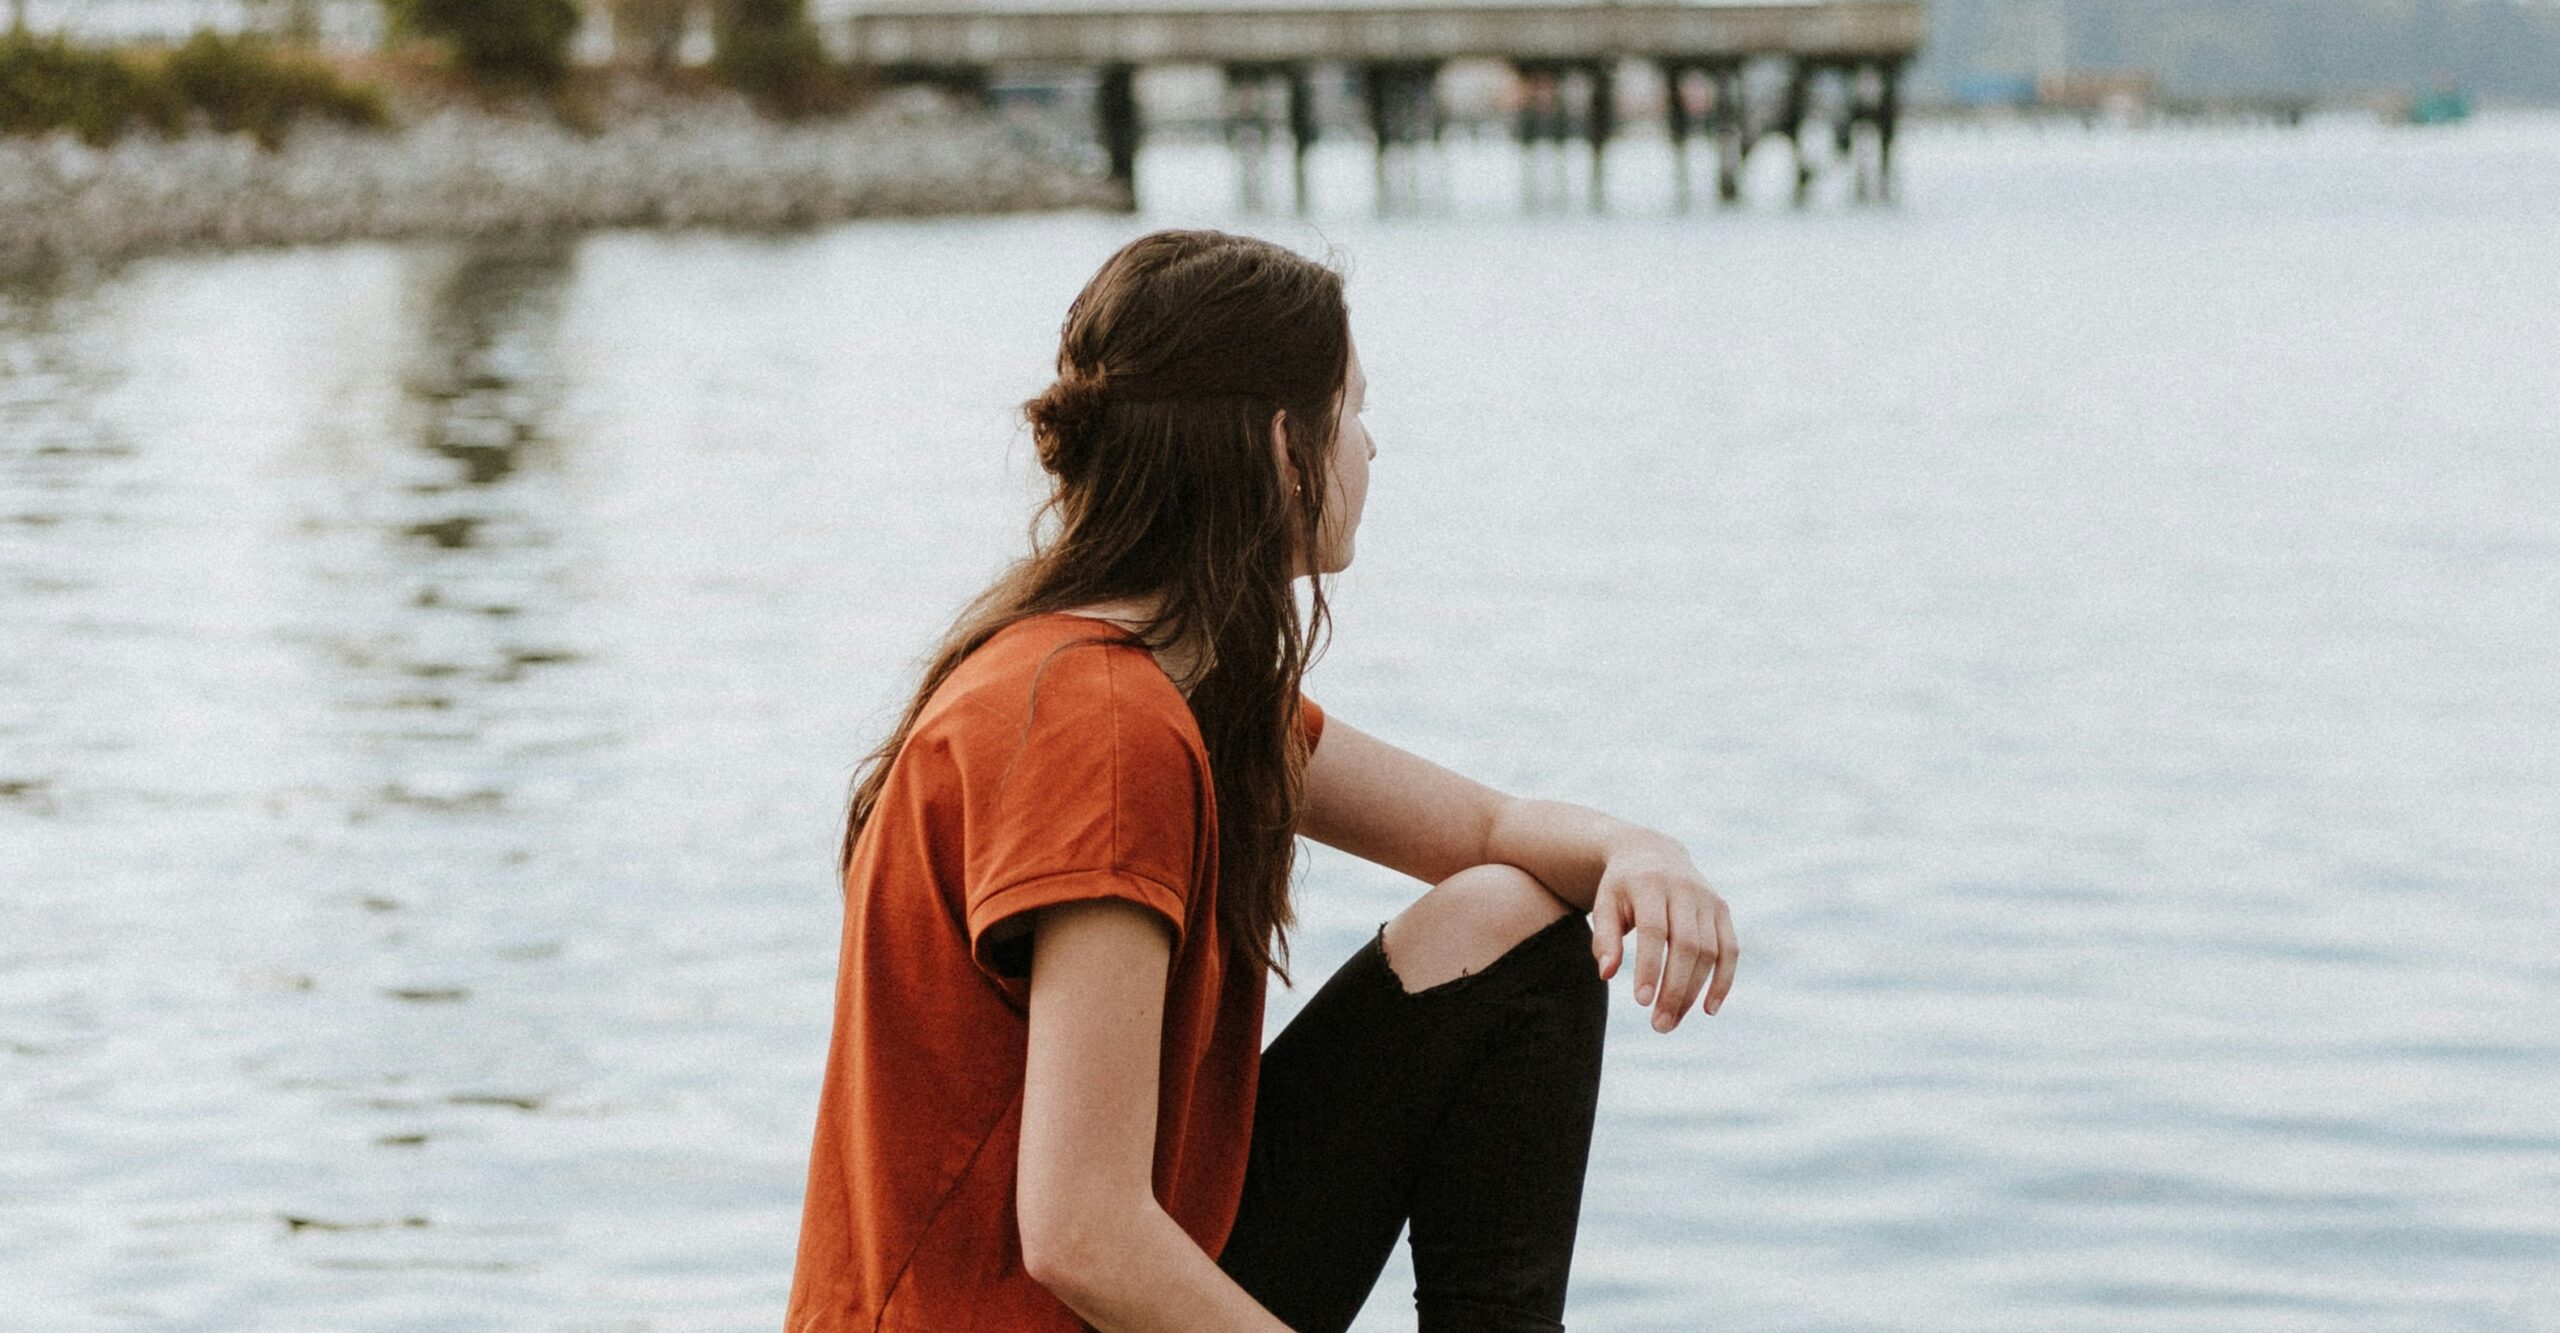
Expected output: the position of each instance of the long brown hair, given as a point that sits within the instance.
(1157, 438)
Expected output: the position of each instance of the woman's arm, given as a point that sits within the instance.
(1387, 805)
(1092, 1230)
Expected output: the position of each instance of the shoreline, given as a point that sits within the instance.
(458, 171)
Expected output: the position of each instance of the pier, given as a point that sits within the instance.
(1839, 90)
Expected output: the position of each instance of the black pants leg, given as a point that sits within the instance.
(1464, 1109)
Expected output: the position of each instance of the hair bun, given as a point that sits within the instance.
(1063, 416)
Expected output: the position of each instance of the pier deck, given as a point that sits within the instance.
(1565, 54)
(1066, 34)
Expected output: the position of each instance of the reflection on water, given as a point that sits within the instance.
(258, 669)
(2104, 658)
(490, 363)
(445, 576)
(52, 354)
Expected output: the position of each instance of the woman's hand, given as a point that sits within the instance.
(1387, 805)
(1683, 931)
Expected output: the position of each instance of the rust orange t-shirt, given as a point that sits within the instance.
(994, 807)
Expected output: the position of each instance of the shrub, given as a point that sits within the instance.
(241, 83)
(767, 50)
(46, 83)
(523, 42)
(231, 83)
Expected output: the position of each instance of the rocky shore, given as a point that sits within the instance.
(462, 171)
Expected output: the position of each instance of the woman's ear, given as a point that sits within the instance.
(1280, 450)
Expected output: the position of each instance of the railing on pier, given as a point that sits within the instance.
(1838, 29)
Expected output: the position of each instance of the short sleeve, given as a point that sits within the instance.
(1310, 721)
(1003, 953)
(1082, 788)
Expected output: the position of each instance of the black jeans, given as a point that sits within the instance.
(1464, 1108)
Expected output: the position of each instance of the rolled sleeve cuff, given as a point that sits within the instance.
(1065, 887)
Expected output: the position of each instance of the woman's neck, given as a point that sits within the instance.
(1131, 613)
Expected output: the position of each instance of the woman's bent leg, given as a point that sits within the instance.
(1329, 1179)
(1465, 1106)
(1498, 1191)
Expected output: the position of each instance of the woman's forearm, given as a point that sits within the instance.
(1567, 846)
(1659, 911)
(1149, 1276)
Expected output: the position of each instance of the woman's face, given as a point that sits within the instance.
(1347, 484)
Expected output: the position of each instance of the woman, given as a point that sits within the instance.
(1066, 875)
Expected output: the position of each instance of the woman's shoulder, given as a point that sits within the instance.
(1058, 670)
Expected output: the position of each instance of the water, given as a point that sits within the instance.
(2096, 622)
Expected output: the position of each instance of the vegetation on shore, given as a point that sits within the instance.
(443, 52)
(512, 43)
(225, 84)
(767, 50)
(499, 132)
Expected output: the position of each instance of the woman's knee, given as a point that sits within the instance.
(1466, 922)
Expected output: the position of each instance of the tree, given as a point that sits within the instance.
(767, 50)
(500, 41)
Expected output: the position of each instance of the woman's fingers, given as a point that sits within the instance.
(1692, 953)
(1682, 946)
(1651, 933)
(1680, 975)
(1608, 929)
(1726, 951)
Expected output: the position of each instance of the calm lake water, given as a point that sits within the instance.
(2098, 622)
